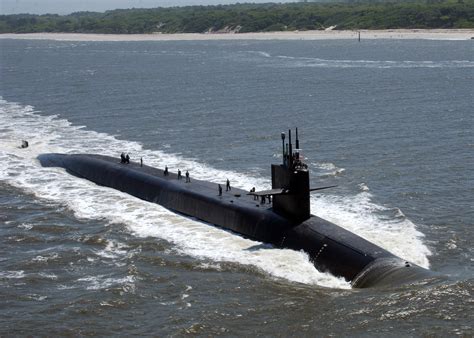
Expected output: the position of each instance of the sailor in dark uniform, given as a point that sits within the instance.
(188, 180)
(255, 197)
(227, 185)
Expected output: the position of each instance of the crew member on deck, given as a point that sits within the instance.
(227, 185)
(179, 174)
(127, 159)
(141, 161)
(188, 180)
(122, 158)
(220, 189)
(166, 171)
(254, 196)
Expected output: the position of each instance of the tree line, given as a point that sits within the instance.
(252, 18)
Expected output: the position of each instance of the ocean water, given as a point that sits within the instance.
(389, 122)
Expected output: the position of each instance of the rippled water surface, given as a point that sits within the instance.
(390, 122)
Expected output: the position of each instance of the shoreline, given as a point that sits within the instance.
(394, 34)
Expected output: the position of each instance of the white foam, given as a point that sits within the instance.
(102, 282)
(297, 62)
(260, 53)
(12, 274)
(48, 275)
(26, 226)
(21, 274)
(45, 259)
(45, 134)
(114, 250)
(327, 168)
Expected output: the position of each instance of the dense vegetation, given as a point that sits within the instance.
(252, 18)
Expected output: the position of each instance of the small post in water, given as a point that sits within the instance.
(283, 145)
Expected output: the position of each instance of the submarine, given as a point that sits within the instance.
(280, 216)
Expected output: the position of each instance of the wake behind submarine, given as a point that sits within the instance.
(285, 222)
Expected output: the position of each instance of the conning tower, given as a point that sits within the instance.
(292, 177)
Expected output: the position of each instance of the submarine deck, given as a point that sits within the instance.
(235, 196)
(239, 198)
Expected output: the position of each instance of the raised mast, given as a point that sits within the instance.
(290, 154)
(293, 178)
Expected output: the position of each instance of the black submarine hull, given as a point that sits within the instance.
(330, 247)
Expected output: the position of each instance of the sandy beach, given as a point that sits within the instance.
(430, 34)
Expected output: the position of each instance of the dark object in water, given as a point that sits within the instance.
(286, 221)
(24, 144)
